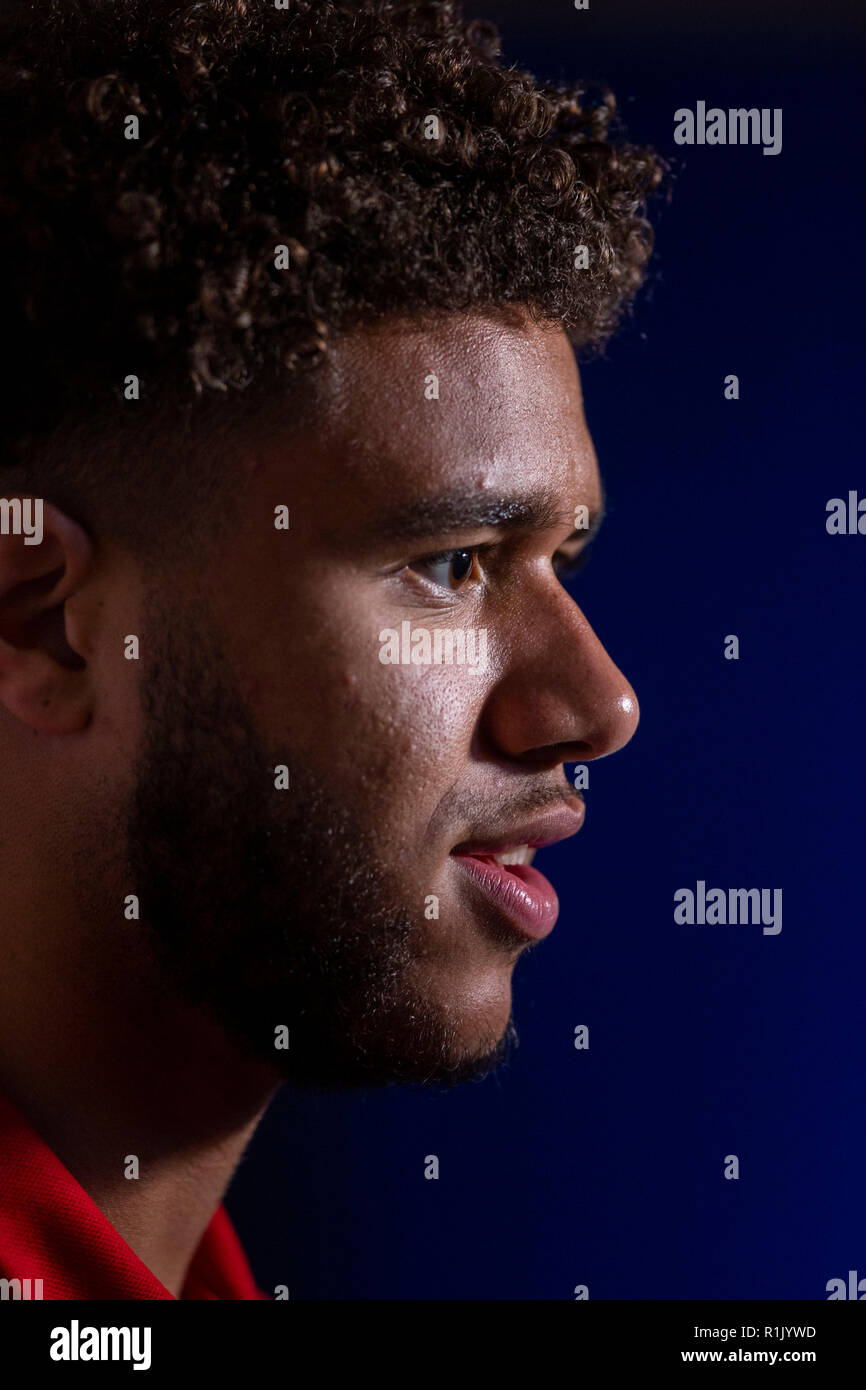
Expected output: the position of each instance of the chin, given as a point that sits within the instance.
(479, 1012)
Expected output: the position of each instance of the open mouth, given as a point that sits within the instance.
(502, 870)
(521, 894)
(524, 854)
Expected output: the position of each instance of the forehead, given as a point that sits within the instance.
(471, 400)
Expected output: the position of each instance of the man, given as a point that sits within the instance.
(294, 458)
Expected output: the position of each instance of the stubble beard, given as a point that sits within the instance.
(272, 908)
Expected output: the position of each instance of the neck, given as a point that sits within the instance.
(126, 1068)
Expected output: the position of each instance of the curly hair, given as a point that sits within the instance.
(150, 245)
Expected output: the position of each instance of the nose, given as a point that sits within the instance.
(560, 698)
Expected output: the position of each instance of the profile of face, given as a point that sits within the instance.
(317, 814)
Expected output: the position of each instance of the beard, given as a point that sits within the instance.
(272, 909)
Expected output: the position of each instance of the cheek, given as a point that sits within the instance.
(396, 739)
(393, 739)
(399, 733)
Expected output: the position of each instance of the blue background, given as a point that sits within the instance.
(605, 1167)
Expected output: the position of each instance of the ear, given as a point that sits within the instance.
(44, 558)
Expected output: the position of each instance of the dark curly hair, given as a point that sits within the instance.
(306, 127)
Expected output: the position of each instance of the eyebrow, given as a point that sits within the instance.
(463, 511)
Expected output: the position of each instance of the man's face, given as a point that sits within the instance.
(359, 905)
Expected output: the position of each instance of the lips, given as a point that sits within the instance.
(502, 870)
(522, 895)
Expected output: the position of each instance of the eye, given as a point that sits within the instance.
(450, 569)
(566, 565)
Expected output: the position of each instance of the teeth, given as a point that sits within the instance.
(521, 855)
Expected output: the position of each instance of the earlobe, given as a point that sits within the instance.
(44, 558)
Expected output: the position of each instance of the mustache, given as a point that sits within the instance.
(476, 810)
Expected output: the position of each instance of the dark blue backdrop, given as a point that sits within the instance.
(605, 1167)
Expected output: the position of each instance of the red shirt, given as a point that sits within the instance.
(51, 1230)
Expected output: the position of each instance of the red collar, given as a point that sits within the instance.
(51, 1230)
